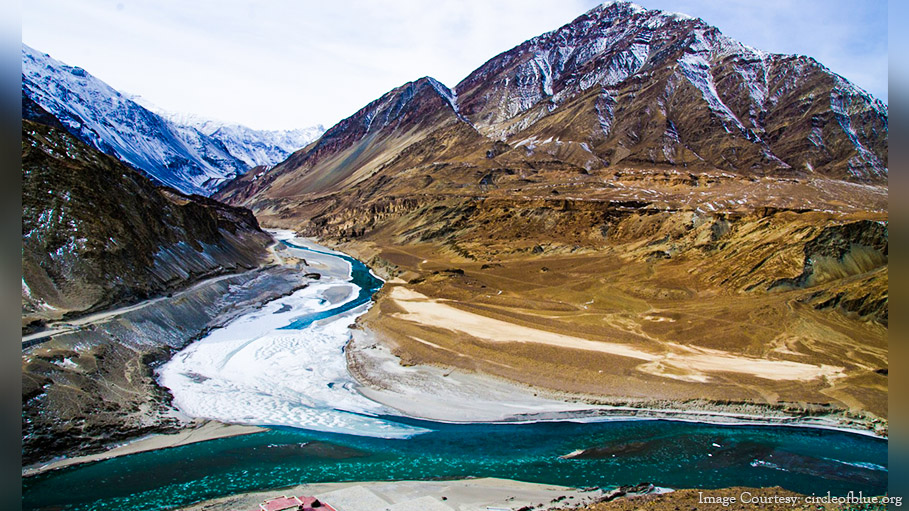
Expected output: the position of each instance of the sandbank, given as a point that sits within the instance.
(201, 431)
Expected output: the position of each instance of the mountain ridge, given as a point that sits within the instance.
(255, 147)
(361, 144)
(185, 156)
(625, 87)
(621, 42)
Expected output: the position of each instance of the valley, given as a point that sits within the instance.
(667, 219)
(661, 280)
(628, 249)
(477, 425)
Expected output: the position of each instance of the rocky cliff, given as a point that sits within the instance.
(97, 233)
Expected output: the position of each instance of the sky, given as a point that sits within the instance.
(274, 64)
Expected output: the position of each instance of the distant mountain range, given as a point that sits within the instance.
(256, 148)
(193, 157)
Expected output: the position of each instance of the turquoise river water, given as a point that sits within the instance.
(666, 453)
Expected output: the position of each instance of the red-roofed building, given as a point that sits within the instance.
(294, 504)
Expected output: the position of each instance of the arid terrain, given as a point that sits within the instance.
(632, 216)
(773, 306)
(707, 224)
(718, 288)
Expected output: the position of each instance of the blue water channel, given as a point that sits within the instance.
(360, 276)
(666, 453)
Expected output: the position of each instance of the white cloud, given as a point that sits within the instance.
(291, 64)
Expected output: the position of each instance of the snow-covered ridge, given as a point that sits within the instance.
(254, 147)
(445, 92)
(113, 123)
(195, 157)
(618, 44)
(555, 66)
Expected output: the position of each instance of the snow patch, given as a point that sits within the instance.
(696, 69)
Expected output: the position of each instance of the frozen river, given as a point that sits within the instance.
(284, 364)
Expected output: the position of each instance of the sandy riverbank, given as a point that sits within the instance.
(463, 495)
(200, 431)
(447, 393)
(671, 360)
(452, 395)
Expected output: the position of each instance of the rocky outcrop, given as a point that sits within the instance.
(842, 250)
(846, 252)
(96, 233)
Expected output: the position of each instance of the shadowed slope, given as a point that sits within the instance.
(96, 233)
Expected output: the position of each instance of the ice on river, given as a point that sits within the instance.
(254, 372)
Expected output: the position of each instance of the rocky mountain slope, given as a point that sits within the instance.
(194, 157)
(635, 177)
(97, 233)
(357, 147)
(649, 87)
(618, 87)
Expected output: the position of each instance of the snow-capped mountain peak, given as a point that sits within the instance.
(672, 69)
(185, 151)
(258, 147)
(112, 122)
(254, 147)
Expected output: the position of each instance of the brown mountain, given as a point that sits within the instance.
(619, 86)
(358, 146)
(648, 87)
(634, 177)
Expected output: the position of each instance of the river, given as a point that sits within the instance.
(283, 366)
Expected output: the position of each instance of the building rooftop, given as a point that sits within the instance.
(292, 503)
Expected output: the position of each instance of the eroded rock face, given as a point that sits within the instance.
(96, 233)
(844, 252)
